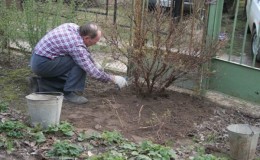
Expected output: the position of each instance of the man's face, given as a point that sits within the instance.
(92, 41)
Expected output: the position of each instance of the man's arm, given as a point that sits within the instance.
(82, 57)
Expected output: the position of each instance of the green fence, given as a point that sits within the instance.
(236, 69)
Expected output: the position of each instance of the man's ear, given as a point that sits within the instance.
(86, 39)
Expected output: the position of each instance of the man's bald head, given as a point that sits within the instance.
(89, 29)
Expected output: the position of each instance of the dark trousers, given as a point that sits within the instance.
(61, 74)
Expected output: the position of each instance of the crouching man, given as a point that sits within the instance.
(62, 61)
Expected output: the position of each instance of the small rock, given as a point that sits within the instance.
(98, 126)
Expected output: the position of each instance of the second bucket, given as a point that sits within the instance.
(243, 141)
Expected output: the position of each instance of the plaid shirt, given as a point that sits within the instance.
(65, 40)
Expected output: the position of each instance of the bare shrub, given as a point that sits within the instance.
(162, 49)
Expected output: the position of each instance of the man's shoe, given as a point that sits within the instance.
(74, 98)
(33, 84)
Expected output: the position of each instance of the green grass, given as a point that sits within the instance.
(13, 83)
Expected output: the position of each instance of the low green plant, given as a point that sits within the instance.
(112, 137)
(94, 136)
(64, 127)
(203, 156)
(112, 155)
(144, 151)
(13, 129)
(39, 137)
(2, 141)
(3, 106)
(82, 136)
(65, 149)
(119, 148)
(209, 157)
(155, 151)
(7, 144)
(129, 146)
(10, 146)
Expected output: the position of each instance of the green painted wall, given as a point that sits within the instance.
(236, 80)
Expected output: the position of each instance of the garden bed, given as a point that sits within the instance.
(185, 122)
(180, 119)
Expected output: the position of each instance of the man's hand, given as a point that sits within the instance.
(119, 81)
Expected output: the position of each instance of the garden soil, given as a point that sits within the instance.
(178, 119)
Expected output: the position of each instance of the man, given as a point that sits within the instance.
(61, 60)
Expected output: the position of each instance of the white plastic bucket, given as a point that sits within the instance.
(243, 140)
(45, 108)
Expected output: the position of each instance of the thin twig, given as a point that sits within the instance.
(140, 113)
(115, 109)
(159, 130)
(146, 127)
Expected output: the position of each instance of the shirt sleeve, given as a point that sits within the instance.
(82, 57)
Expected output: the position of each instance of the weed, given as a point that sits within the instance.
(39, 137)
(156, 151)
(13, 128)
(208, 157)
(112, 137)
(64, 127)
(82, 136)
(7, 144)
(2, 141)
(65, 149)
(129, 146)
(203, 156)
(144, 151)
(3, 106)
(112, 155)
(92, 136)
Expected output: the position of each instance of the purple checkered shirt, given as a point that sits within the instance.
(65, 40)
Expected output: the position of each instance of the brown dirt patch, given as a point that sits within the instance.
(157, 117)
(171, 118)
